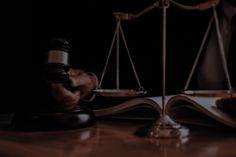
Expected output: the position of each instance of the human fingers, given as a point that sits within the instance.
(78, 77)
(64, 96)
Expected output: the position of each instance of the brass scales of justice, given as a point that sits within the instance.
(164, 126)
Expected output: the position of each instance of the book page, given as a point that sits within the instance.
(154, 103)
(180, 107)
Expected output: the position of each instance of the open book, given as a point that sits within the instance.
(189, 109)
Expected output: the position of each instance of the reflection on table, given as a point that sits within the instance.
(117, 139)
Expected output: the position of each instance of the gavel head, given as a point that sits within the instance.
(57, 61)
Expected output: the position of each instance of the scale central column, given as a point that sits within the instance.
(164, 6)
(164, 126)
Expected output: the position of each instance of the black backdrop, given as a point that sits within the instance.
(26, 28)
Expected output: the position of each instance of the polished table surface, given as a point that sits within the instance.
(109, 138)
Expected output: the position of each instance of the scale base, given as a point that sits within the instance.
(164, 127)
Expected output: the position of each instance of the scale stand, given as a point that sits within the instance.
(119, 92)
(164, 126)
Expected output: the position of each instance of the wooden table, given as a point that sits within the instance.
(109, 138)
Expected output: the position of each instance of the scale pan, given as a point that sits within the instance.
(211, 93)
(119, 92)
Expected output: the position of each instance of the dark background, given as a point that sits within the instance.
(26, 28)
